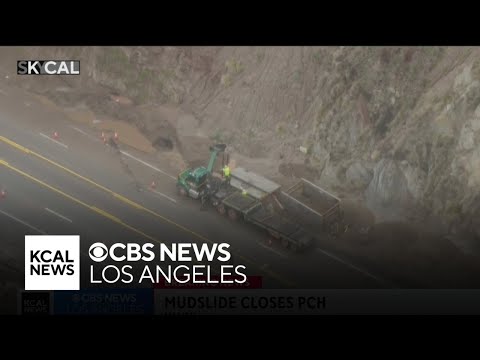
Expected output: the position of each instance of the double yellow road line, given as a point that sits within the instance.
(75, 200)
(119, 197)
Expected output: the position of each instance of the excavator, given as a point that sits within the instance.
(192, 182)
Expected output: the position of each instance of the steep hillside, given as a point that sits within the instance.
(397, 129)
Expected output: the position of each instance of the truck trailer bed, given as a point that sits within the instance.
(239, 202)
(312, 207)
(276, 222)
(313, 196)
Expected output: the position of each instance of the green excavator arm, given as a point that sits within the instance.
(214, 151)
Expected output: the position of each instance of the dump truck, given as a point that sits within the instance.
(313, 207)
(254, 199)
(294, 217)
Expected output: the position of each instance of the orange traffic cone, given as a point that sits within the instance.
(3, 193)
(115, 136)
(153, 185)
(104, 138)
(55, 135)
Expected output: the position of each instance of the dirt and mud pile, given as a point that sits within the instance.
(396, 129)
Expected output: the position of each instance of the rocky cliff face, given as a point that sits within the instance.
(397, 128)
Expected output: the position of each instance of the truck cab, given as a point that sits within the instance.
(192, 182)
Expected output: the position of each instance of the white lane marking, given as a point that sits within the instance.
(147, 164)
(59, 215)
(84, 133)
(79, 130)
(127, 154)
(159, 193)
(364, 272)
(23, 222)
(272, 250)
(55, 141)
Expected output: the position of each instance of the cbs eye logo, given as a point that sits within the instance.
(98, 252)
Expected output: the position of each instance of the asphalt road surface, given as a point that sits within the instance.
(75, 184)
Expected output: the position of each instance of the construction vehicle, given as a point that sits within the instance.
(293, 217)
(255, 199)
(192, 182)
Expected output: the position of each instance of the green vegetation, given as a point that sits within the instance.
(234, 67)
(226, 80)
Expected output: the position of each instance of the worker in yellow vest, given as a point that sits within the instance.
(226, 173)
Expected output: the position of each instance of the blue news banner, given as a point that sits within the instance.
(148, 301)
(104, 302)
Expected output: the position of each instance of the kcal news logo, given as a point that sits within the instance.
(48, 67)
(52, 262)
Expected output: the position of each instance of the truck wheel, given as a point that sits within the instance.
(285, 243)
(221, 209)
(232, 214)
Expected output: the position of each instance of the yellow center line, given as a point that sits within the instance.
(14, 144)
(136, 205)
(90, 207)
(128, 201)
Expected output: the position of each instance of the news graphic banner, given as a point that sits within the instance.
(104, 302)
(265, 302)
(52, 262)
(215, 287)
(188, 259)
(35, 303)
(268, 302)
(87, 302)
